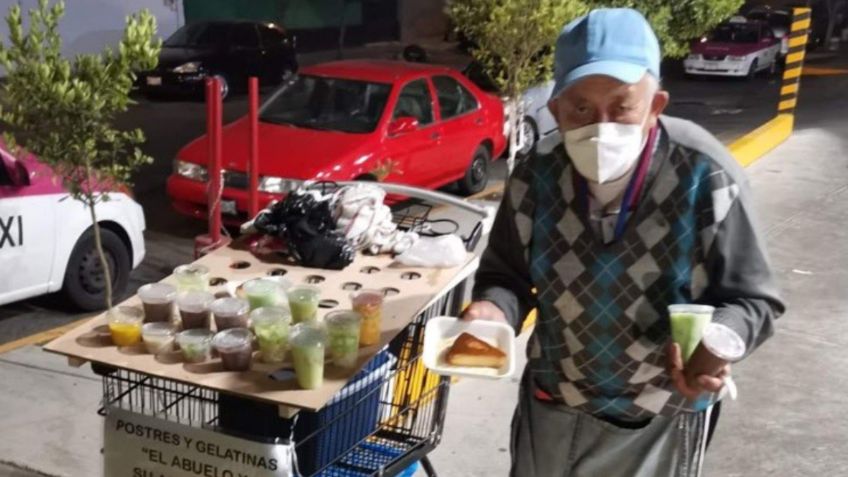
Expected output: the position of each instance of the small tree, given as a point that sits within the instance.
(677, 22)
(63, 111)
(514, 40)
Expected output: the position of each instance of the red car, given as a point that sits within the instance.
(405, 123)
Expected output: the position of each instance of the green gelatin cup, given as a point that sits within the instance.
(343, 329)
(303, 302)
(308, 342)
(687, 326)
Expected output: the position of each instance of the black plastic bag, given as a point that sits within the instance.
(307, 227)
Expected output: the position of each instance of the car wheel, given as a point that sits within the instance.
(752, 71)
(531, 136)
(84, 286)
(477, 174)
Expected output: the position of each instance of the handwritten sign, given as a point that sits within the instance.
(142, 446)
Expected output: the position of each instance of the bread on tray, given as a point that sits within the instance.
(468, 350)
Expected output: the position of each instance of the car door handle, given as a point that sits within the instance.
(478, 121)
(435, 136)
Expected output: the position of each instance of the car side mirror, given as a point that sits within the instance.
(403, 125)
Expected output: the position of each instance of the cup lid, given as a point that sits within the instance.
(195, 335)
(309, 334)
(158, 329)
(691, 308)
(157, 293)
(192, 269)
(229, 306)
(303, 290)
(723, 342)
(126, 313)
(195, 301)
(367, 297)
(343, 318)
(270, 313)
(232, 338)
(260, 286)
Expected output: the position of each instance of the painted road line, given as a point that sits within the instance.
(816, 71)
(40, 338)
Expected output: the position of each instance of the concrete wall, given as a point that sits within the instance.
(422, 19)
(90, 25)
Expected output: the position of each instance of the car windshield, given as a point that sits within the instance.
(333, 104)
(736, 34)
(198, 35)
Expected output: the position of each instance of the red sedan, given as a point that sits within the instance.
(405, 123)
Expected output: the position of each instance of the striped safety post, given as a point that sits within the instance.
(798, 37)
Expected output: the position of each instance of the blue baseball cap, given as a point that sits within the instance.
(616, 42)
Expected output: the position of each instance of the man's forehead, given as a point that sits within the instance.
(601, 85)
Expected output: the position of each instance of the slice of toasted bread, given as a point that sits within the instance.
(468, 350)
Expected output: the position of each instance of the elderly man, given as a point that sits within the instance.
(638, 212)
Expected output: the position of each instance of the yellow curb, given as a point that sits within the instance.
(815, 71)
(758, 142)
(41, 337)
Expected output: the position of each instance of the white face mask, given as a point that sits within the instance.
(603, 152)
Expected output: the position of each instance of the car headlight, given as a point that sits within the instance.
(735, 58)
(278, 185)
(191, 171)
(694, 56)
(190, 67)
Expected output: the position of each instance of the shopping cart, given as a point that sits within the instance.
(385, 422)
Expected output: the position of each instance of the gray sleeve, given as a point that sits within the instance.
(504, 276)
(742, 285)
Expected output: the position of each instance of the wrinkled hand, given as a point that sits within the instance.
(484, 310)
(701, 383)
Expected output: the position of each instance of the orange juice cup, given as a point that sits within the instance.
(125, 325)
(369, 304)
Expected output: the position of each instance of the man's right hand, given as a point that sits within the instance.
(484, 310)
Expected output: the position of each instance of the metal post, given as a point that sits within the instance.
(206, 243)
(798, 37)
(253, 156)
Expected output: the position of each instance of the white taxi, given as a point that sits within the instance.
(738, 48)
(47, 241)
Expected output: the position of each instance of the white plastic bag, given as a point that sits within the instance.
(446, 251)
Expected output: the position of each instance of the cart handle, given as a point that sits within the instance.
(426, 194)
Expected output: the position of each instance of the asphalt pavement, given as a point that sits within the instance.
(728, 107)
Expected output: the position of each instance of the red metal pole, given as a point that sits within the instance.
(253, 156)
(214, 135)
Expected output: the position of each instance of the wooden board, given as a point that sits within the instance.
(417, 289)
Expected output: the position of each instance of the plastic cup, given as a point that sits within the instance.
(724, 346)
(158, 337)
(687, 326)
(369, 304)
(235, 346)
(196, 345)
(303, 302)
(262, 292)
(230, 313)
(125, 325)
(192, 277)
(194, 309)
(271, 327)
(343, 328)
(308, 342)
(158, 301)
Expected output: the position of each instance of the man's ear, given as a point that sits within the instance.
(658, 105)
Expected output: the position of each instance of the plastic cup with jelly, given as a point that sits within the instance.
(158, 337)
(308, 343)
(303, 302)
(192, 277)
(343, 329)
(687, 326)
(369, 304)
(271, 327)
(125, 325)
(194, 309)
(261, 292)
(230, 313)
(195, 344)
(235, 346)
(158, 301)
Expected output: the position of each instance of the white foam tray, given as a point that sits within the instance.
(441, 332)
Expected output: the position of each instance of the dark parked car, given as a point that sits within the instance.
(230, 50)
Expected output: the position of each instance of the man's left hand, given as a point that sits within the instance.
(701, 383)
